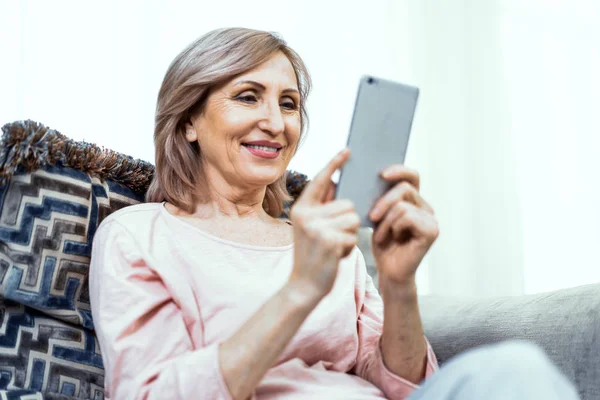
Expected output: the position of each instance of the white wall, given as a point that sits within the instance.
(552, 59)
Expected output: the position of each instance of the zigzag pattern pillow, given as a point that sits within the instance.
(47, 356)
(54, 192)
(47, 222)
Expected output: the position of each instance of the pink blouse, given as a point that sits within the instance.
(164, 294)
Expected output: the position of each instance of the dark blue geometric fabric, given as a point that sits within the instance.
(48, 219)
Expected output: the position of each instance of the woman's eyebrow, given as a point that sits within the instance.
(290, 90)
(263, 87)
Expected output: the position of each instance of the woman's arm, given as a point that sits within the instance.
(405, 229)
(388, 375)
(247, 355)
(147, 349)
(403, 345)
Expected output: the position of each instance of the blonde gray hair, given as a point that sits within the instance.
(210, 61)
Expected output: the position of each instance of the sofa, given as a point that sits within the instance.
(54, 192)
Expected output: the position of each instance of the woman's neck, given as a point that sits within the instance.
(228, 201)
(220, 207)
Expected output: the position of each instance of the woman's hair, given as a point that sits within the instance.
(210, 61)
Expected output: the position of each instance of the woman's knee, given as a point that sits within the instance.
(523, 369)
(515, 358)
(512, 369)
(517, 355)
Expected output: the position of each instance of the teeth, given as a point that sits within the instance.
(265, 148)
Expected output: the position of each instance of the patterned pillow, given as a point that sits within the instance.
(54, 192)
(47, 356)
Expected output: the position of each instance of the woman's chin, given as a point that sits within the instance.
(262, 176)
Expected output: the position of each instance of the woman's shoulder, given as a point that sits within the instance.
(140, 210)
(132, 230)
(132, 218)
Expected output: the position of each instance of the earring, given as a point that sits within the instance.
(190, 134)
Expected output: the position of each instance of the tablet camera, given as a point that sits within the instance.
(370, 81)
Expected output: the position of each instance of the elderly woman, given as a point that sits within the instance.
(205, 292)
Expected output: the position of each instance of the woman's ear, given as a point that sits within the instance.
(190, 132)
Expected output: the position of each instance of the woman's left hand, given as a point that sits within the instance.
(405, 226)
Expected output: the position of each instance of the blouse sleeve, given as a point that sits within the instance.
(369, 363)
(146, 348)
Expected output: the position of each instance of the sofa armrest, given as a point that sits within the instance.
(565, 323)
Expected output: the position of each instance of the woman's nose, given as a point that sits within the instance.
(272, 120)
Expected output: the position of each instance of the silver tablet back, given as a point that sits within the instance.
(381, 124)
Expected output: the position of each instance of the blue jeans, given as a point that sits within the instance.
(510, 370)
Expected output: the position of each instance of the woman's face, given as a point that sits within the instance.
(249, 127)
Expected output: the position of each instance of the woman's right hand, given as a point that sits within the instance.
(325, 231)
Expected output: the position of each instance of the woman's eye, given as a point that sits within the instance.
(247, 98)
(289, 104)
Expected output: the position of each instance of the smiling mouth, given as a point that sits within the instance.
(263, 148)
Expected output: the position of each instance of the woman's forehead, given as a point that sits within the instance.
(276, 71)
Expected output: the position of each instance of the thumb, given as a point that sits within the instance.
(330, 194)
(319, 188)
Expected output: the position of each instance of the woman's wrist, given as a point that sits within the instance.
(405, 291)
(301, 295)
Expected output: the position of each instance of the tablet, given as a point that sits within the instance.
(381, 124)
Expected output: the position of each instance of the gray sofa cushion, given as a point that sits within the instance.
(565, 323)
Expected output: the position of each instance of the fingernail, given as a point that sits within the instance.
(373, 214)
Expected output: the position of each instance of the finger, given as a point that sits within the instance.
(330, 192)
(348, 222)
(317, 189)
(302, 214)
(399, 172)
(351, 244)
(426, 206)
(414, 220)
(333, 208)
(420, 223)
(402, 191)
(396, 212)
(348, 241)
(341, 242)
(402, 228)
